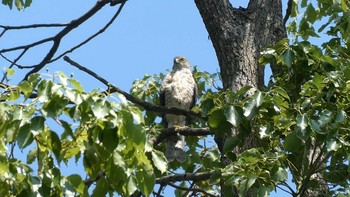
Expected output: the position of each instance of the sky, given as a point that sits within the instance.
(144, 39)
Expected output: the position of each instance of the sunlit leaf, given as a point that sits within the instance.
(234, 115)
(288, 57)
(159, 161)
(25, 137)
(333, 145)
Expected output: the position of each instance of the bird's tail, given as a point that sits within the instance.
(175, 148)
(180, 154)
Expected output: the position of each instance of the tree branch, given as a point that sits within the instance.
(57, 39)
(93, 36)
(129, 97)
(88, 182)
(288, 12)
(6, 28)
(191, 189)
(185, 177)
(186, 131)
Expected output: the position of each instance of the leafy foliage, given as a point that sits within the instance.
(304, 107)
(20, 4)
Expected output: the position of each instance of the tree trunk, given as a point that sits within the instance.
(238, 36)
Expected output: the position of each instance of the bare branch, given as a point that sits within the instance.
(33, 26)
(137, 101)
(185, 177)
(57, 39)
(93, 36)
(14, 63)
(186, 131)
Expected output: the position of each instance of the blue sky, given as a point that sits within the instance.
(144, 39)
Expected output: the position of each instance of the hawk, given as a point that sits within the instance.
(179, 90)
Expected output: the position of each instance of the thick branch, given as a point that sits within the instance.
(185, 177)
(288, 11)
(129, 97)
(186, 131)
(192, 189)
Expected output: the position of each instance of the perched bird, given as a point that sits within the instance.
(179, 90)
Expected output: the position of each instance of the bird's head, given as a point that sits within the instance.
(180, 63)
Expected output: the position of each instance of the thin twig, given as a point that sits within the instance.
(58, 37)
(13, 63)
(159, 190)
(33, 26)
(91, 37)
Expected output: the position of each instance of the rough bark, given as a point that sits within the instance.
(239, 35)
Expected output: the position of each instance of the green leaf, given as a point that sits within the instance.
(19, 4)
(282, 92)
(341, 116)
(14, 93)
(303, 3)
(131, 185)
(332, 145)
(26, 88)
(76, 85)
(37, 125)
(77, 182)
(55, 144)
(245, 184)
(10, 71)
(44, 90)
(146, 180)
(288, 57)
(101, 108)
(230, 143)
(234, 115)
(25, 137)
(31, 156)
(28, 3)
(294, 10)
(292, 143)
(250, 108)
(281, 175)
(159, 161)
(101, 188)
(302, 121)
(311, 13)
(217, 121)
